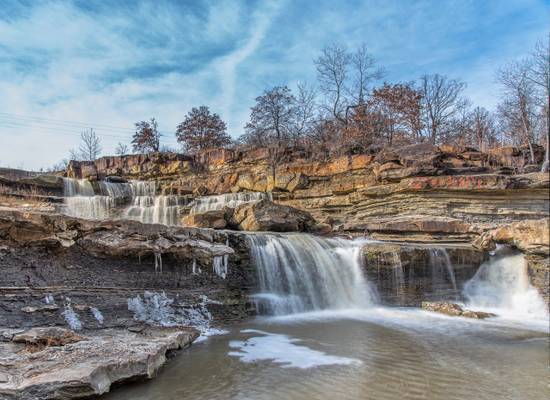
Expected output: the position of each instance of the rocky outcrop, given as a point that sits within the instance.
(262, 215)
(50, 262)
(454, 310)
(87, 367)
(265, 215)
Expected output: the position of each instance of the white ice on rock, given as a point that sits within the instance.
(159, 309)
(71, 317)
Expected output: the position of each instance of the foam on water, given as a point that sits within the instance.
(501, 285)
(283, 350)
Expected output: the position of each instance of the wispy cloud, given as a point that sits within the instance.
(114, 63)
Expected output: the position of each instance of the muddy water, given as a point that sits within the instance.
(380, 353)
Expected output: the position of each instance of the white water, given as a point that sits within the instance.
(232, 200)
(145, 205)
(501, 286)
(299, 272)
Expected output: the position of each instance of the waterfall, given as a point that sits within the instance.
(145, 206)
(82, 202)
(501, 285)
(232, 200)
(299, 272)
(442, 268)
(149, 208)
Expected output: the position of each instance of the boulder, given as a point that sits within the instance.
(265, 215)
(211, 219)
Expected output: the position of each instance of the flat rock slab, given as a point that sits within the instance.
(454, 309)
(87, 367)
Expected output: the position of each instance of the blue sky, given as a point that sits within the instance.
(67, 65)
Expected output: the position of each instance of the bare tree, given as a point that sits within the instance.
(517, 110)
(147, 137)
(332, 73)
(441, 101)
(89, 148)
(202, 129)
(121, 149)
(538, 72)
(305, 112)
(480, 129)
(364, 73)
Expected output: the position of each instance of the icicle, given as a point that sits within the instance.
(219, 266)
(158, 262)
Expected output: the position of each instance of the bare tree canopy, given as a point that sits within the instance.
(518, 108)
(538, 72)
(201, 129)
(332, 73)
(442, 101)
(89, 148)
(121, 149)
(146, 139)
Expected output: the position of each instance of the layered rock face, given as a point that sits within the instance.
(418, 193)
(51, 262)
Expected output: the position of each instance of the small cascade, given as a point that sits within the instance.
(442, 269)
(82, 202)
(501, 285)
(398, 277)
(149, 208)
(145, 205)
(232, 200)
(300, 272)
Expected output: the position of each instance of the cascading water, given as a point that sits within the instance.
(501, 285)
(442, 268)
(299, 272)
(146, 206)
(82, 202)
(218, 202)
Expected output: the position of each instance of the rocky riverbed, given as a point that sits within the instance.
(127, 251)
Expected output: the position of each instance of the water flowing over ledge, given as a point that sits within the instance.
(299, 272)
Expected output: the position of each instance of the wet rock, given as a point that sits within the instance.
(454, 309)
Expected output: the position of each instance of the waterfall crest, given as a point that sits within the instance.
(145, 205)
(300, 272)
